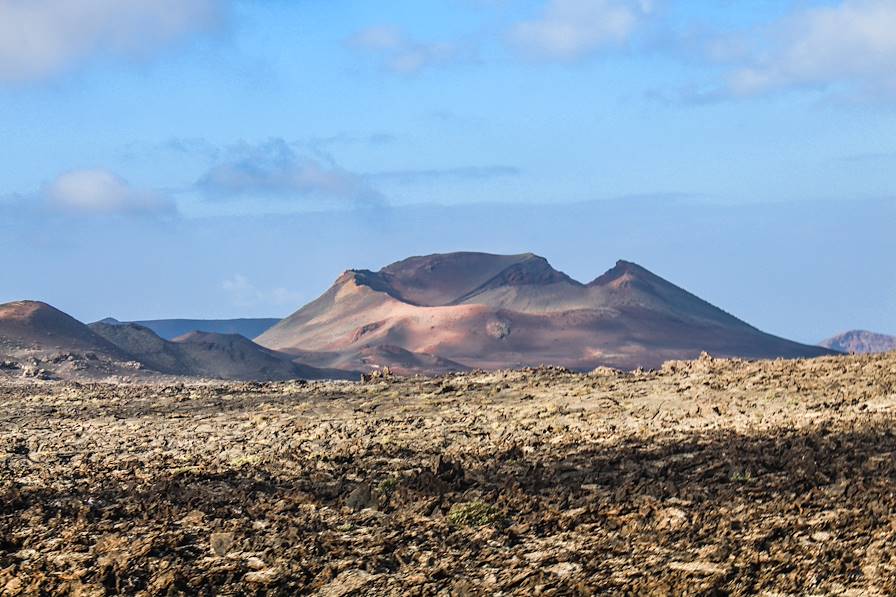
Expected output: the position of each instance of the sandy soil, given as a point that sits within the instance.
(709, 477)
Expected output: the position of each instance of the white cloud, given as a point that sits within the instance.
(571, 29)
(40, 38)
(275, 169)
(402, 55)
(101, 192)
(852, 42)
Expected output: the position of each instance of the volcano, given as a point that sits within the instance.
(482, 311)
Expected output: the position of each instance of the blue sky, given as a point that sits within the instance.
(135, 127)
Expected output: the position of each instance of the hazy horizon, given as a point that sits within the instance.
(779, 267)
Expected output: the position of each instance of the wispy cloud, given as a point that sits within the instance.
(449, 174)
(200, 147)
(401, 54)
(192, 146)
(41, 38)
(852, 42)
(572, 29)
(102, 192)
(275, 169)
(848, 46)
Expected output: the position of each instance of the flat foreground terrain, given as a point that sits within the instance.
(709, 477)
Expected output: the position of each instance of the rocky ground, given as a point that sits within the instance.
(709, 477)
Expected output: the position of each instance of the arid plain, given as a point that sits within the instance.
(706, 477)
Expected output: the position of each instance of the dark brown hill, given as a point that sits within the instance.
(205, 354)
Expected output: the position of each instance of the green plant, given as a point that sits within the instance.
(741, 476)
(472, 514)
(388, 485)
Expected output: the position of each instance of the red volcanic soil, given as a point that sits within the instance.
(506, 311)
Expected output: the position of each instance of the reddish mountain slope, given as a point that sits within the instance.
(494, 311)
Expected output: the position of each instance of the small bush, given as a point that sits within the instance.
(742, 476)
(472, 514)
(388, 485)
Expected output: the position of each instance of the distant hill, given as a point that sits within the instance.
(861, 341)
(476, 310)
(231, 356)
(39, 340)
(33, 325)
(170, 329)
(205, 354)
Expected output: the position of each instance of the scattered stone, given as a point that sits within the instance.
(221, 543)
(360, 498)
(34, 372)
(262, 577)
(447, 470)
(607, 372)
(698, 568)
(377, 375)
(347, 583)
(564, 569)
(671, 519)
(617, 484)
(162, 582)
(13, 587)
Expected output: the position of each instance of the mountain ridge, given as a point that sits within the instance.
(492, 311)
(172, 328)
